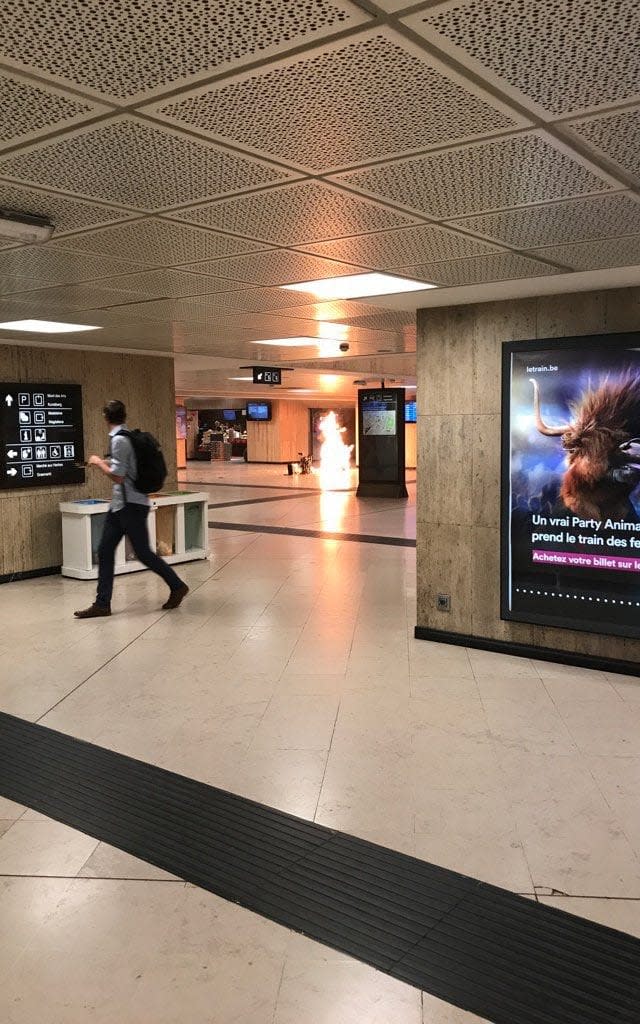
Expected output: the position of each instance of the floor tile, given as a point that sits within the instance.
(297, 722)
(343, 992)
(108, 862)
(627, 687)
(597, 728)
(435, 1011)
(44, 848)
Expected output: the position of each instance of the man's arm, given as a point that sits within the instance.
(116, 469)
(102, 464)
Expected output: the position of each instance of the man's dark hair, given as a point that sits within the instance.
(115, 412)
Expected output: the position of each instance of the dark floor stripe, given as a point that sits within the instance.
(362, 538)
(483, 949)
(258, 501)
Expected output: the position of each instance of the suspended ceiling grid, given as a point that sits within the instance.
(194, 157)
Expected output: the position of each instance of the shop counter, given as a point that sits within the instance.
(177, 526)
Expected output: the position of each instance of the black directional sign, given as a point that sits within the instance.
(41, 440)
(267, 375)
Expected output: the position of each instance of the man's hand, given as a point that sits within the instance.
(95, 460)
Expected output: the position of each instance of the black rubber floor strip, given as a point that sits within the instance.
(486, 950)
(362, 538)
(259, 501)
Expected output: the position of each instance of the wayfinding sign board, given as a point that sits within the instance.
(41, 439)
(267, 375)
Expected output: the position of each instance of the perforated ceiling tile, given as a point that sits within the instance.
(615, 135)
(371, 97)
(131, 163)
(28, 110)
(66, 214)
(398, 248)
(296, 213)
(208, 307)
(43, 265)
(599, 255)
(47, 302)
(561, 55)
(487, 176)
(276, 267)
(481, 270)
(159, 243)
(351, 312)
(126, 49)
(572, 221)
(169, 284)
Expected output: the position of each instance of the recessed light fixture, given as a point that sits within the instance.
(45, 327)
(302, 391)
(355, 286)
(239, 378)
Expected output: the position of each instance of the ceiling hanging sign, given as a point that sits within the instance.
(267, 375)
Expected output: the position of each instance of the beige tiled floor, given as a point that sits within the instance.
(291, 676)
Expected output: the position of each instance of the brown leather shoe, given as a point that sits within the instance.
(176, 597)
(95, 611)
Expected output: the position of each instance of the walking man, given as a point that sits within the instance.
(127, 516)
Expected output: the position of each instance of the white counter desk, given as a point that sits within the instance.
(177, 530)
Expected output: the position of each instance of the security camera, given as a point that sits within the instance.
(344, 346)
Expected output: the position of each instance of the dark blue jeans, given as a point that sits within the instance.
(131, 521)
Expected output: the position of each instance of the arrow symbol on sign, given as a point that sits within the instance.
(12, 454)
(12, 472)
(9, 400)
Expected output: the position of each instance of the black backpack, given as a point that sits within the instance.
(151, 467)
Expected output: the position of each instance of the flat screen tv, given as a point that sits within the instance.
(259, 411)
(410, 412)
(229, 415)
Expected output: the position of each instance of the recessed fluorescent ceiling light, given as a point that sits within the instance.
(355, 286)
(45, 327)
(239, 378)
(294, 342)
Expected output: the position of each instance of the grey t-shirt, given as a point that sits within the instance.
(123, 463)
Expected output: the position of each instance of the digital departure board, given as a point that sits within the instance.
(41, 439)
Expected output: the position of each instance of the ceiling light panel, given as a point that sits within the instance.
(159, 243)
(481, 270)
(277, 267)
(575, 220)
(293, 214)
(29, 110)
(355, 286)
(130, 163)
(67, 214)
(388, 249)
(126, 51)
(557, 56)
(517, 171)
(617, 136)
(44, 265)
(598, 255)
(365, 98)
(45, 327)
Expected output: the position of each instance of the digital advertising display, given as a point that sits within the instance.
(41, 438)
(571, 483)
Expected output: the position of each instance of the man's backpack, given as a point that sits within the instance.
(151, 467)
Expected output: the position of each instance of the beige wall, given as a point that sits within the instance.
(30, 534)
(459, 389)
(282, 437)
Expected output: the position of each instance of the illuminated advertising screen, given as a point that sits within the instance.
(41, 438)
(571, 483)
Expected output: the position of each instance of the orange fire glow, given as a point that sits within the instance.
(335, 455)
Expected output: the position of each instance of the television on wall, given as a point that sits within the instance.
(258, 411)
(410, 412)
(229, 415)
